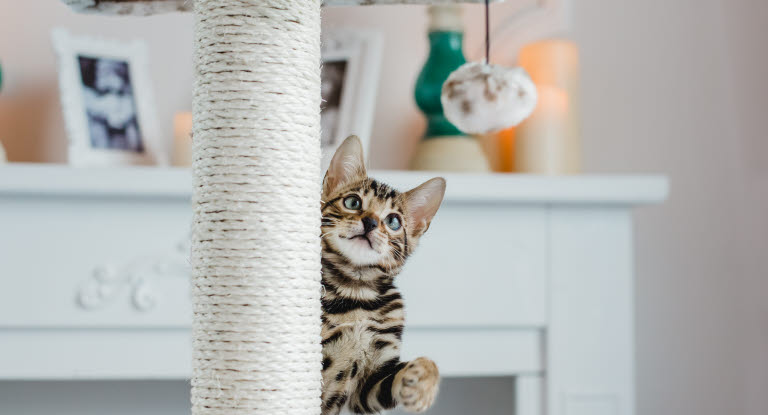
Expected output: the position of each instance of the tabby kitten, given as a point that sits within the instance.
(369, 230)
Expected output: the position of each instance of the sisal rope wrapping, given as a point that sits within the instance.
(256, 226)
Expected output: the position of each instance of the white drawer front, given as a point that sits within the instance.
(94, 262)
(477, 352)
(99, 262)
(479, 265)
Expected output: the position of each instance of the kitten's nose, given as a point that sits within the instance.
(369, 224)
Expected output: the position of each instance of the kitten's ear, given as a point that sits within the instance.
(423, 203)
(347, 165)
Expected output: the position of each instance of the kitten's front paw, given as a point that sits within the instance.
(415, 386)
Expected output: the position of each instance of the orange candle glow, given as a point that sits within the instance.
(549, 141)
(552, 62)
(182, 139)
(499, 148)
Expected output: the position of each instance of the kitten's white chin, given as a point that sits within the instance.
(358, 251)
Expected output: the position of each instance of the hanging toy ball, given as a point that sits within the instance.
(478, 98)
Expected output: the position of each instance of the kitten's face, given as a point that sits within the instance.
(367, 222)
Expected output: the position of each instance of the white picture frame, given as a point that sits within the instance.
(360, 52)
(107, 101)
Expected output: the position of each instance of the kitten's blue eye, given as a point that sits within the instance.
(393, 221)
(353, 202)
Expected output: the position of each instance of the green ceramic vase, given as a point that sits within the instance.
(445, 55)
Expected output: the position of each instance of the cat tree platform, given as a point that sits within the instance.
(148, 7)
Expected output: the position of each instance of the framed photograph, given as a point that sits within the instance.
(107, 101)
(350, 77)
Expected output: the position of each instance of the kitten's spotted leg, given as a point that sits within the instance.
(411, 384)
(374, 392)
(333, 409)
(336, 386)
(415, 386)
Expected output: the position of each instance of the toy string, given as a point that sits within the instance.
(487, 35)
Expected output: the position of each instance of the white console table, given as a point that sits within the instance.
(534, 277)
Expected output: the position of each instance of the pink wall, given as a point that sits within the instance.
(680, 88)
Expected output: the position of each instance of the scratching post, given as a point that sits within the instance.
(255, 237)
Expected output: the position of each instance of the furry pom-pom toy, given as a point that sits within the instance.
(479, 98)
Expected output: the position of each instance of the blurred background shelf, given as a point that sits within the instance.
(529, 277)
(174, 182)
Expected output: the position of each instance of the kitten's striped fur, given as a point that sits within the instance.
(363, 315)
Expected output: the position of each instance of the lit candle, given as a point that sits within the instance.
(549, 141)
(499, 148)
(182, 139)
(545, 142)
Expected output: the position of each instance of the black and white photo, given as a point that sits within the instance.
(109, 104)
(107, 101)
